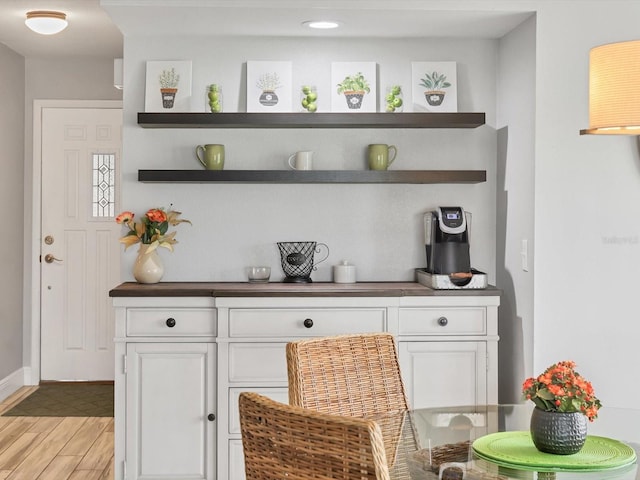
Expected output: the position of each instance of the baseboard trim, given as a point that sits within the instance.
(12, 383)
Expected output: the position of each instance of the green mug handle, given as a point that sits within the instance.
(395, 151)
(198, 148)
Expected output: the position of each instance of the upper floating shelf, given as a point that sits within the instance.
(311, 120)
(314, 176)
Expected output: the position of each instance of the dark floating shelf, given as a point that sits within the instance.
(315, 176)
(311, 120)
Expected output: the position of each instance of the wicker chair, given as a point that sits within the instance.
(355, 375)
(282, 441)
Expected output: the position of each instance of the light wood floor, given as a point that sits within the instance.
(54, 448)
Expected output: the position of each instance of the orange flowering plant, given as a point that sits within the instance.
(151, 229)
(561, 389)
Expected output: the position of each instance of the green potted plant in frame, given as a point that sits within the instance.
(564, 402)
(435, 83)
(268, 83)
(354, 88)
(169, 80)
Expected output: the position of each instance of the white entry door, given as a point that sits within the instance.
(79, 242)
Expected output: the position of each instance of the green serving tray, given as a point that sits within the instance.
(516, 450)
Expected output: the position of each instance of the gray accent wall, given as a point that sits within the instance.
(12, 79)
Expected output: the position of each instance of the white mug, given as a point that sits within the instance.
(301, 161)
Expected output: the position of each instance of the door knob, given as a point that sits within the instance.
(49, 258)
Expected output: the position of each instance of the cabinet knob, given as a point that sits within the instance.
(442, 321)
(308, 323)
(171, 322)
(211, 417)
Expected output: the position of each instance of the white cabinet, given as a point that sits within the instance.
(444, 373)
(448, 350)
(252, 337)
(182, 362)
(165, 386)
(170, 394)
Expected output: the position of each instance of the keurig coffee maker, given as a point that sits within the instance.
(447, 240)
(446, 233)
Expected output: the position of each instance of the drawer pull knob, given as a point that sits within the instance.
(211, 417)
(171, 322)
(442, 321)
(308, 323)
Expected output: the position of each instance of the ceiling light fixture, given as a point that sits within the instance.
(614, 89)
(46, 22)
(321, 24)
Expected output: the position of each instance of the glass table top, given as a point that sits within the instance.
(441, 445)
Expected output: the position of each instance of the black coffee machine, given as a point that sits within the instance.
(447, 240)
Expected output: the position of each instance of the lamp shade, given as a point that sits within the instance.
(46, 22)
(614, 89)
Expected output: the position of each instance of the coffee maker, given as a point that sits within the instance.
(446, 232)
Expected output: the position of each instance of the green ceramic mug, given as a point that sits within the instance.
(380, 157)
(211, 156)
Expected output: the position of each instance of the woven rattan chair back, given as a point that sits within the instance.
(285, 442)
(356, 375)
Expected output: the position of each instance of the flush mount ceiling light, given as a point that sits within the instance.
(321, 24)
(614, 89)
(46, 22)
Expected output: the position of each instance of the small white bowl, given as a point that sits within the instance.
(259, 274)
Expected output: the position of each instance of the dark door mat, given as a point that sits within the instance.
(66, 400)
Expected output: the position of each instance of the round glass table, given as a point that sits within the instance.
(440, 443)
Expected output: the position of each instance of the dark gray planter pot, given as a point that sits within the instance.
(559, 433)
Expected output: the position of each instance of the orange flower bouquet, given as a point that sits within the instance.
(561, 389)
(151, 229)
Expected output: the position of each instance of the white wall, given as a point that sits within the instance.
(587, 207)
(11, 181)
(376, 227)
(585, 188)
(514, 205)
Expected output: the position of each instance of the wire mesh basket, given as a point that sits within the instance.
(296, 259)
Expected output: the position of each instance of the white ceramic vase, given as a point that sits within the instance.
(148, 267)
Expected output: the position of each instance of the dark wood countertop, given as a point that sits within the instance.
(275, 289)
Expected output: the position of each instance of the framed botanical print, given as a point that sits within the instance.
(434, 86)
(168, 86)
(353, 87)
(269, 86)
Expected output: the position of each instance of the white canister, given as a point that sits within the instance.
(344, 273)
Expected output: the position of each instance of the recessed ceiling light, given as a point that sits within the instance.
(46, 22)
(321, 24)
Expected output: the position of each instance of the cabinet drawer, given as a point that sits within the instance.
(257, 362)
(443, 321)
(277, 323)
(279, 394)
(157, 322)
